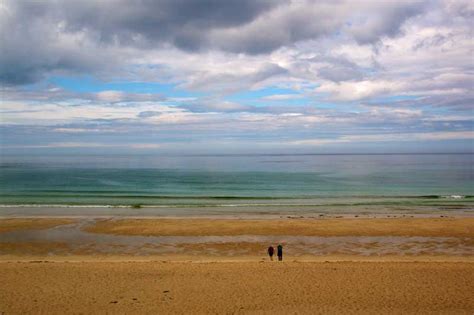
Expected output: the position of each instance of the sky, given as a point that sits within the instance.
(230, 77)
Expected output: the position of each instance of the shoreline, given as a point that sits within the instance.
(245, 216)
(265, 212)
(317, 202)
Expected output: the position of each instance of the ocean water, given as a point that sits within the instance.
(234, 179)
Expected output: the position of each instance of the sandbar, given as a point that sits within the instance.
(454, 227)
(15, 224)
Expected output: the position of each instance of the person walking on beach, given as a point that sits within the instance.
(280, 252)
(270, 251)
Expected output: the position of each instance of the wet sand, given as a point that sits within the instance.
(237, 287)
(236, 238)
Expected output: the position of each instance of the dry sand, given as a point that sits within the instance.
(455, 227)
(237, 287)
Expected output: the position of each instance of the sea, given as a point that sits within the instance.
(263, 183)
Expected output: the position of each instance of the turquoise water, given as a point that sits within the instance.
(155, 180)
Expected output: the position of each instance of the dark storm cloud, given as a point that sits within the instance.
(183, 23)
(283, 26)
(33, 42)
(40, 37)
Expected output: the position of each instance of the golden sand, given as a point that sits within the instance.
(237, 287)
(14, 224)
(48, 277)
(454, 227)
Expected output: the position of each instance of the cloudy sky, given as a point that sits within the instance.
(236, 76)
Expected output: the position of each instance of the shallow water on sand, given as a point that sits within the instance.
(75, 240)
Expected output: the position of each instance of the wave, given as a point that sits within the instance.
(317, 202)
(126, 194)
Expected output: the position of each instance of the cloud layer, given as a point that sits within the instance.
(283, 72)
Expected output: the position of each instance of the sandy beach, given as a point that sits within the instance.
(236, 287)
(219, 266)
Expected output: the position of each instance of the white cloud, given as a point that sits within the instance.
(282, 97)
(52, 114)
(83, 130)
(110, 96)
(351, 91)
(59, 145)
(428, 136)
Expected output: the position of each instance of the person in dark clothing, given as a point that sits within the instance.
(270, 251)
(280, 252)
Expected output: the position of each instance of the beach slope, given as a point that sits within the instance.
(236, 287)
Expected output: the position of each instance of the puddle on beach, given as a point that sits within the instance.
(73, 240)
